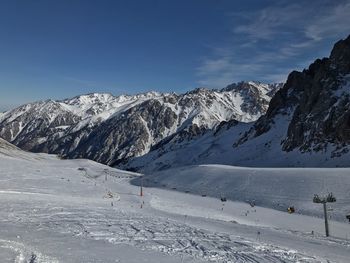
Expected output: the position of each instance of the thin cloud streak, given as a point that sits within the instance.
(269, 42)
(265, 24)
(330, 25)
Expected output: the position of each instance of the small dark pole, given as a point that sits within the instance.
(141, 189)
(105, 176)
(324, 200)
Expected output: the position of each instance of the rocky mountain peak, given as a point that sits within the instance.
(340, 56)
(89, 98)
(315, 104)
(198, 90)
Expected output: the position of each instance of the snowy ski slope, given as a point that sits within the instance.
(277, 188)
(79, 211)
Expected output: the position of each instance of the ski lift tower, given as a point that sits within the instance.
(330, 198)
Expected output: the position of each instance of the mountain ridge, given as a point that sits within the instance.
(111, 129)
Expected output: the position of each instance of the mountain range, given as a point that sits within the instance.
(114, 129)
(304, 122)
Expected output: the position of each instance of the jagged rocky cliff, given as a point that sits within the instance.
(316, 103)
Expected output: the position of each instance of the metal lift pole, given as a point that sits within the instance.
(326, 218)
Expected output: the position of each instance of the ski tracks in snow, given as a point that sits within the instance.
(23, 253)
(157, 233)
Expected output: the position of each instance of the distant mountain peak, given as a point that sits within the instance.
(111, 129)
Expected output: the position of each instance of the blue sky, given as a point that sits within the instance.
(58, 49)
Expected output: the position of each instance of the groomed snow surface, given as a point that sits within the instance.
(80, 211)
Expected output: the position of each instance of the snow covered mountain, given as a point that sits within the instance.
(307, 124)
(112, 129)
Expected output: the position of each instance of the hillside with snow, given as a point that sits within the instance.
(276, 188)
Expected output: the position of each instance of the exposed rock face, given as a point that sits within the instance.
(113, 129)
(34, 122)
(255, 102)
(316, 103)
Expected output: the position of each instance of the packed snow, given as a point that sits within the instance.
(55, 210)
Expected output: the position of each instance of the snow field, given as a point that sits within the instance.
(81, 211)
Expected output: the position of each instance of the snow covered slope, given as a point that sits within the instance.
(277, 188)
(113, 129)
(210, 147)
(67, 211)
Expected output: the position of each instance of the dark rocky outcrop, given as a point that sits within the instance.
(316, 102)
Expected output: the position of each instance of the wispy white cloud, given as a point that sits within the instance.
(228, 67)
(265, 23)
(269, 42)
(330, 18)
(336, 21)
(217, 73)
